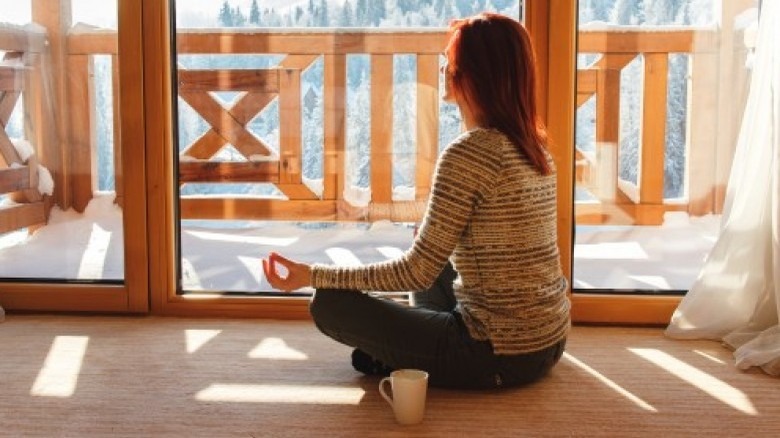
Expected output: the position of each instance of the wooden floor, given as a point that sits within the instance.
(82, 376)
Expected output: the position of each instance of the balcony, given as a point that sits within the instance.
(72, 156)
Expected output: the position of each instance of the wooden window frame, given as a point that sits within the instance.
(132, 295)
(149, 215)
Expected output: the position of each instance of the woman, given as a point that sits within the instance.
(492, 310)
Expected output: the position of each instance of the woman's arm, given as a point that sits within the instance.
(466, 172)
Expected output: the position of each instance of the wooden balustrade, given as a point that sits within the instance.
(19, 175)
(643, 204)
(620, 201)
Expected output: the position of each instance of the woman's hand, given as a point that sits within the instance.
(298, 274)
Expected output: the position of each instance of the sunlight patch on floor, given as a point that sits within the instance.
(295, 394)
(609, 383)
(713, 386)
(60, 372)
(195, 339)
(710, 357)
(276, 349)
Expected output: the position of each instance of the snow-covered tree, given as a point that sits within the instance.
(225, 15)
(254, 13)
(345, 19)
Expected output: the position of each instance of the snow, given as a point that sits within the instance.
(226, 256)
(23, 148)
(45, 181)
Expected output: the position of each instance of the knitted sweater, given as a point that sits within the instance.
(494, 216)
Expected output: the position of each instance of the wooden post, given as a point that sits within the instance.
(607, 133)
(335, 130)
(55, 16)
(290, 151)
(427, 123)
(701, 136)
(118, 180)
(651, 167)
(382, 128)
(556, 51)
(83, 156)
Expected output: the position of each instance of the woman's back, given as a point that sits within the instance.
(511, 289)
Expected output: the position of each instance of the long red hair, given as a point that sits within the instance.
(491, 63)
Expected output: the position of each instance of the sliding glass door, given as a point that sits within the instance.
(307, 128)
(70, 231)
(661, 87)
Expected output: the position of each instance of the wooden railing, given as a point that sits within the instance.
(19, 170)
(620, 201)
(260, 163)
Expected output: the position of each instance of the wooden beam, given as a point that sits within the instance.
(82, 170)
(702, 116)
(587, 79)
(297, 192)
(427, 123)
(256, 209)
(335, 131)
(56, 17)
(614, 61)
(98, 42)
(651, 171)
(626, 39)
(225, 124)
(238, 41)
(205, 146)
(382, 128)
(297, 62)
(234, 172)
(258, 80)
(22, 40)
(290, 142)
(607, 134)
(8, 151)
(247, 107)
(623, 309)
(11, 78)
(18, 216)
(8, 100)
(63, 297)
(14, 179)
(119, 187)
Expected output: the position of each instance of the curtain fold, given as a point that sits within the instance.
(736, 297)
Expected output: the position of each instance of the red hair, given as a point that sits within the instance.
(492, 65)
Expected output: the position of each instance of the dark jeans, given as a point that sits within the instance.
(431, 336)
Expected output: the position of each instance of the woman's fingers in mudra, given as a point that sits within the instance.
(296, 275)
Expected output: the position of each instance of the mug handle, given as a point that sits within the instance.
(382, 389)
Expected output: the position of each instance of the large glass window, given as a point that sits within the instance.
(60, 216)
(661, 88)
(310, 128)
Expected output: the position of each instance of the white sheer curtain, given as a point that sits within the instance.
(737, 295)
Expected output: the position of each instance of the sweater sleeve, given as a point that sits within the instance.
(465, 174)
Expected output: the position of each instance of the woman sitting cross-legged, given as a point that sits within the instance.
(491, 308)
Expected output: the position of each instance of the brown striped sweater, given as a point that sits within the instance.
(494, 216)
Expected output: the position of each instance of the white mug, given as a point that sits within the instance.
(409, 388)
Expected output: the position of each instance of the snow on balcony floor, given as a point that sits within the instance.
(217, 258)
